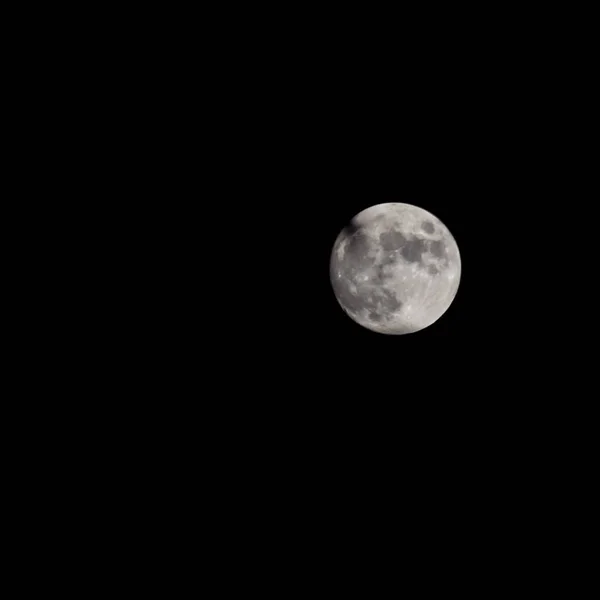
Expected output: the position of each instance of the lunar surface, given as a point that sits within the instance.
(395, 268)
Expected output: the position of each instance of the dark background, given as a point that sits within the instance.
(225, 161)
(201, 388)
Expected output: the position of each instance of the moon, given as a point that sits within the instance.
(395, 268)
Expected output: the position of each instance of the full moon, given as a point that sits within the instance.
(395, 268)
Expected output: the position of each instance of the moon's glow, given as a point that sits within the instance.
(395, 268)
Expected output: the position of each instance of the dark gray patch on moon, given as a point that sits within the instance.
(413, 250)
(391, 240)
(390, 301)
(389, 259)
(380, 270)
(358, 246)
(438, 249)
(375, 316)
(432, 270)
(428, 227)
(380, 275)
